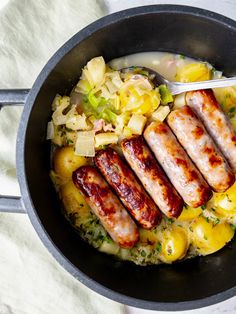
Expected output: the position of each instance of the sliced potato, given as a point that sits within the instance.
(225, 203)
(174, 244)
(193, 72)
(137, 123)
(73, 200)
(189, 213)
(209, 238)
(65, 161)
(226, 96)
(147, 236)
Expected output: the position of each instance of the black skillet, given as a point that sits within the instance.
(189, 31)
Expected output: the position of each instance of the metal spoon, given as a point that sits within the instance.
(176, 87)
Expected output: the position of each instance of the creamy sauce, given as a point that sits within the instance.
(164, 63)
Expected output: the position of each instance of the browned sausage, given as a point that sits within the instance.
(106, 206)
(131, 193)
(194, 138)
(205, 105)
(177, 165)
(152, 176)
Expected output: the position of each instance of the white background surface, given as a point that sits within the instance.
(227, 8)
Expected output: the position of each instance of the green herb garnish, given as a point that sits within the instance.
(159, 247)
(143, 253)
(233, 226)
(166, 96)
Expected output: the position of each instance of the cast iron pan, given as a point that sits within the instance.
(193, 32)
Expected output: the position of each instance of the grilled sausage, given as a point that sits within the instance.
(131, 193)
(200, 147)
(153, 178)
(205, 105)
(179, 168)
(106, 206)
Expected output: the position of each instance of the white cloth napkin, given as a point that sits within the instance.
(31, 281)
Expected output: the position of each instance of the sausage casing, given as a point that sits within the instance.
(205, 105)
(153, 178)
(119, 175)
(106, 206)
(185, 177)
(194, 138)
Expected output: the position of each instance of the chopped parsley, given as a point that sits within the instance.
(169, 250)
(232, 109)
(159, 247)
(69, 141)
(143, 253)
(203, 207)
(233, 226)
(216, 221)
(169, 221)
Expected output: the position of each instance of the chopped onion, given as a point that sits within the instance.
(179, 101)
(111, 87)
(50, 131)
(58, 117)
(56, 102)
(84, 145)
(138, 81)
(105, 93)
(137, 123)
(116, 79)
(96, 70)
(105, 139)
(109, 248)
(161, 113)
(77, 122)
(216, 75)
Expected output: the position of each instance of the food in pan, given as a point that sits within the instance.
(131, 193)
(153, 178)
(186, 178)
(143, 175)
(200, 147)
(106, 206)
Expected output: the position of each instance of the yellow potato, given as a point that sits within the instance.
(225, 203)
(193, 72)
(73, 200)
(226, 96)
(65, 161)
(131, 100)
(174, 244)
(189, 213)
(147, 236)
(209, 238)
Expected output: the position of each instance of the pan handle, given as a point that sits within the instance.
(12, 97)
(11, 204)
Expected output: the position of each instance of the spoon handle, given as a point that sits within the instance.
(177, 88)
